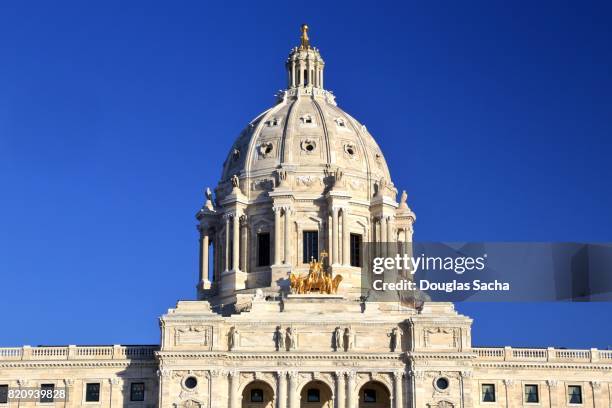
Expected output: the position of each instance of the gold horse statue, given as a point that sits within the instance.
(317, 280)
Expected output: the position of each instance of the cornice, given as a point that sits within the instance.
(542, 365)
(80, 364)
(276, 356)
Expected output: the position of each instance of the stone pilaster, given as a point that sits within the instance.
(236, 242)
(340, 388)
(234, 378)
(227, 242)
(277, 235)
(116, 394)
(294, 398)
(287, 237)
(398, 389)
(350, 392)
(346, 238)
(334, 245)
(281, 386)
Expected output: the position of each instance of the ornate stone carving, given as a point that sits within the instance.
(192, 335)
(265, 150)
(308, 181)
(283, 178)
(279, 338)
(337, 338)
(395, 338)
(262, 185)
(308, 145)
(235, 181)
(440, 337)
(348, 338)
(291, 338)
(350, 151)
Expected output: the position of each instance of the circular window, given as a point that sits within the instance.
(191, 382)
(268, 148)
(350, 151)
(310, 147)
(442, 383)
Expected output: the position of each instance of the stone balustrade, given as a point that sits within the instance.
(116, 352)
(542, 354)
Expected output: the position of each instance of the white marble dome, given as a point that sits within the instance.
(306, 133)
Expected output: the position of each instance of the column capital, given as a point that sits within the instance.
(596, 384)
(418, 374)
(466, 374)
(218, 373)
(508, 382)
(114, 381)
(233, 373)
(228, 215)
(398, 374)
(281, 374)
(293, 374)
(340, 374)
(351, 375)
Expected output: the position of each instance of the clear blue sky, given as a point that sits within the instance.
(495, 116)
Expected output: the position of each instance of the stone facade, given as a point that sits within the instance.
(304, 178)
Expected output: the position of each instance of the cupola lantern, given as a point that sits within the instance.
(304, 65)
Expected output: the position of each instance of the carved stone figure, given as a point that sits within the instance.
(235, 181)
(338, 339)
(403, 200)
(232, 338)
(282, 177)
(395, 338)
(279, 338)
(338, 175)
(209, 199)
(291, 338)
(348, 339)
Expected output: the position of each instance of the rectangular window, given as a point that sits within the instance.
(257, 395)
(531, 393)
(92, 392)
(574, 393)
(369, 395)
(488, 392)
(3, 394)
(46, 392)
(355, 250)
(313, 395)
(263, 249)
(137, 391)
(311, 246)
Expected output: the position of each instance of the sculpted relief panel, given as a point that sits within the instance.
(200, 336)
(441, 337)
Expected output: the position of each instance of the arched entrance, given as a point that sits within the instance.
(258, 394)
(316, 394)
(374, 394)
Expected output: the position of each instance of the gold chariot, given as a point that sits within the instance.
(317, 280)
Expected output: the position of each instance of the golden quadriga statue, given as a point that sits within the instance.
(317, 280)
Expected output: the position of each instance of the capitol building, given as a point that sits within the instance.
(280, 319)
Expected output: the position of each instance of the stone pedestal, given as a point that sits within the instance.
(232, 280)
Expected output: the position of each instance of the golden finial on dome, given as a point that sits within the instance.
(305, 40)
